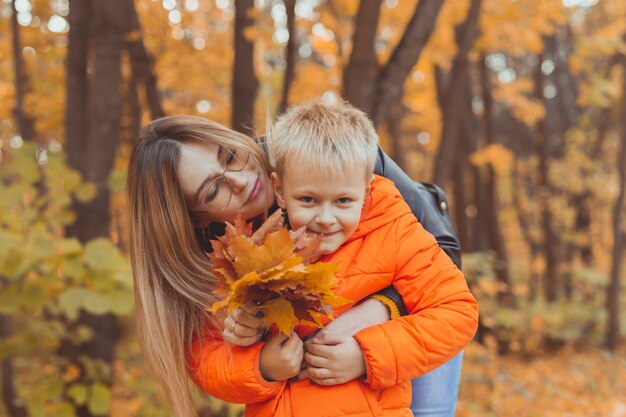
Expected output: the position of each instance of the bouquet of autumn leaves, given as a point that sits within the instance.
(274, 268)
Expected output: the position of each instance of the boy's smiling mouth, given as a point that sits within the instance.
(323, 234)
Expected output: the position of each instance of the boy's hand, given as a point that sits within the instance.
(333, 359)
(243, 326)
(281, 357)
(368, 313)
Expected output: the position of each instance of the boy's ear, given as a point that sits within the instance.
(368, 185)
(277, 184)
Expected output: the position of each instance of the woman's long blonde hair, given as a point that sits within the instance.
(172, 277)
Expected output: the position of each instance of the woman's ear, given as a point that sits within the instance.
(277, 184)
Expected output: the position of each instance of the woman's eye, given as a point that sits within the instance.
(212, 192)
(231, 157)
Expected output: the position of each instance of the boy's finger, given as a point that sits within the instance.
(329, 338)
(319, 373)
(278, 339)
(304, 373)
(318, 350)
(316, 361)
(293, 342)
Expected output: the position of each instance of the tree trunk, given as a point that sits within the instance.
(359, 76)
(490, 204)
(404, 57)
(582, 200)
(25, 124)
(76, 85)
(97, 150)
(450, 106)
(613, 289)
(290, 55)
(13, 404)
(550, 275)
(525, 227)
(460, 202)
(245, 83)
(141, 62)
(394, 127)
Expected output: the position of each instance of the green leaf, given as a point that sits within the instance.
(102, 254)
(69, 246)
(100, 399)
(78, 393)
(96, 303)
(72, 300)
(73, 266)
(63, 409)
(121, 303)
(117, 180)
(86, 192)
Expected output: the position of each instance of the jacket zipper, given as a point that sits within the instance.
(288, 399)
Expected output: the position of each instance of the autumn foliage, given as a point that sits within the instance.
(516, 107)
(273, 268)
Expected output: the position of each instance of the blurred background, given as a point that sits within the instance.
(516, 107)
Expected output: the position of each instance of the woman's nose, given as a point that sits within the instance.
(236, 180)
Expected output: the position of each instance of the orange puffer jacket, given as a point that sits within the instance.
(388, 247)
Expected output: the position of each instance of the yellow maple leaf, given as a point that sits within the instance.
(273, 269)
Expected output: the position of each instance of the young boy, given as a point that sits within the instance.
(324, 157)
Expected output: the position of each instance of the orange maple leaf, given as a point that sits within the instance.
(273, 268)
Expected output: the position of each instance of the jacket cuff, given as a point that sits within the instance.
(394, 311)
(375, 347)
(394, 297)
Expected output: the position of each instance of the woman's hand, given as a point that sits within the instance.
(243, 326)
(368, 313)
(333, 359)
(281, 357)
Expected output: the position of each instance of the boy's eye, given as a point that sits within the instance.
(344, 200)
(307, 199)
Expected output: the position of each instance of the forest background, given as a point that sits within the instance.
(516, 107)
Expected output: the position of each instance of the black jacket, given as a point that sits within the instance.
(428, 203)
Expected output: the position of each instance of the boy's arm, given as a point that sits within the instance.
(230, 373)
(443, 315)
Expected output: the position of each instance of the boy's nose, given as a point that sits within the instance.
(325, 217)
(236, 180)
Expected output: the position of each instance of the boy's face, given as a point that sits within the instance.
(329, 205)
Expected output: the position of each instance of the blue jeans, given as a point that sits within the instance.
(435, 393)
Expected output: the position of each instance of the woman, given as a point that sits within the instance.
(187, 176)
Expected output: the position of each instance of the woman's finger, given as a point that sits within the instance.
(240, 341)
(231, 326)
(246, 319)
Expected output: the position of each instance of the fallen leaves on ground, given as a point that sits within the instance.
(566, 383)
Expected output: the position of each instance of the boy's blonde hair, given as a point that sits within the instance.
(326, 137)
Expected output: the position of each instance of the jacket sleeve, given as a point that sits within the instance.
(443, 314)
(230, 373)
(427, 202)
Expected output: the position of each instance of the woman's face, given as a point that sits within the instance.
(219, 183)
